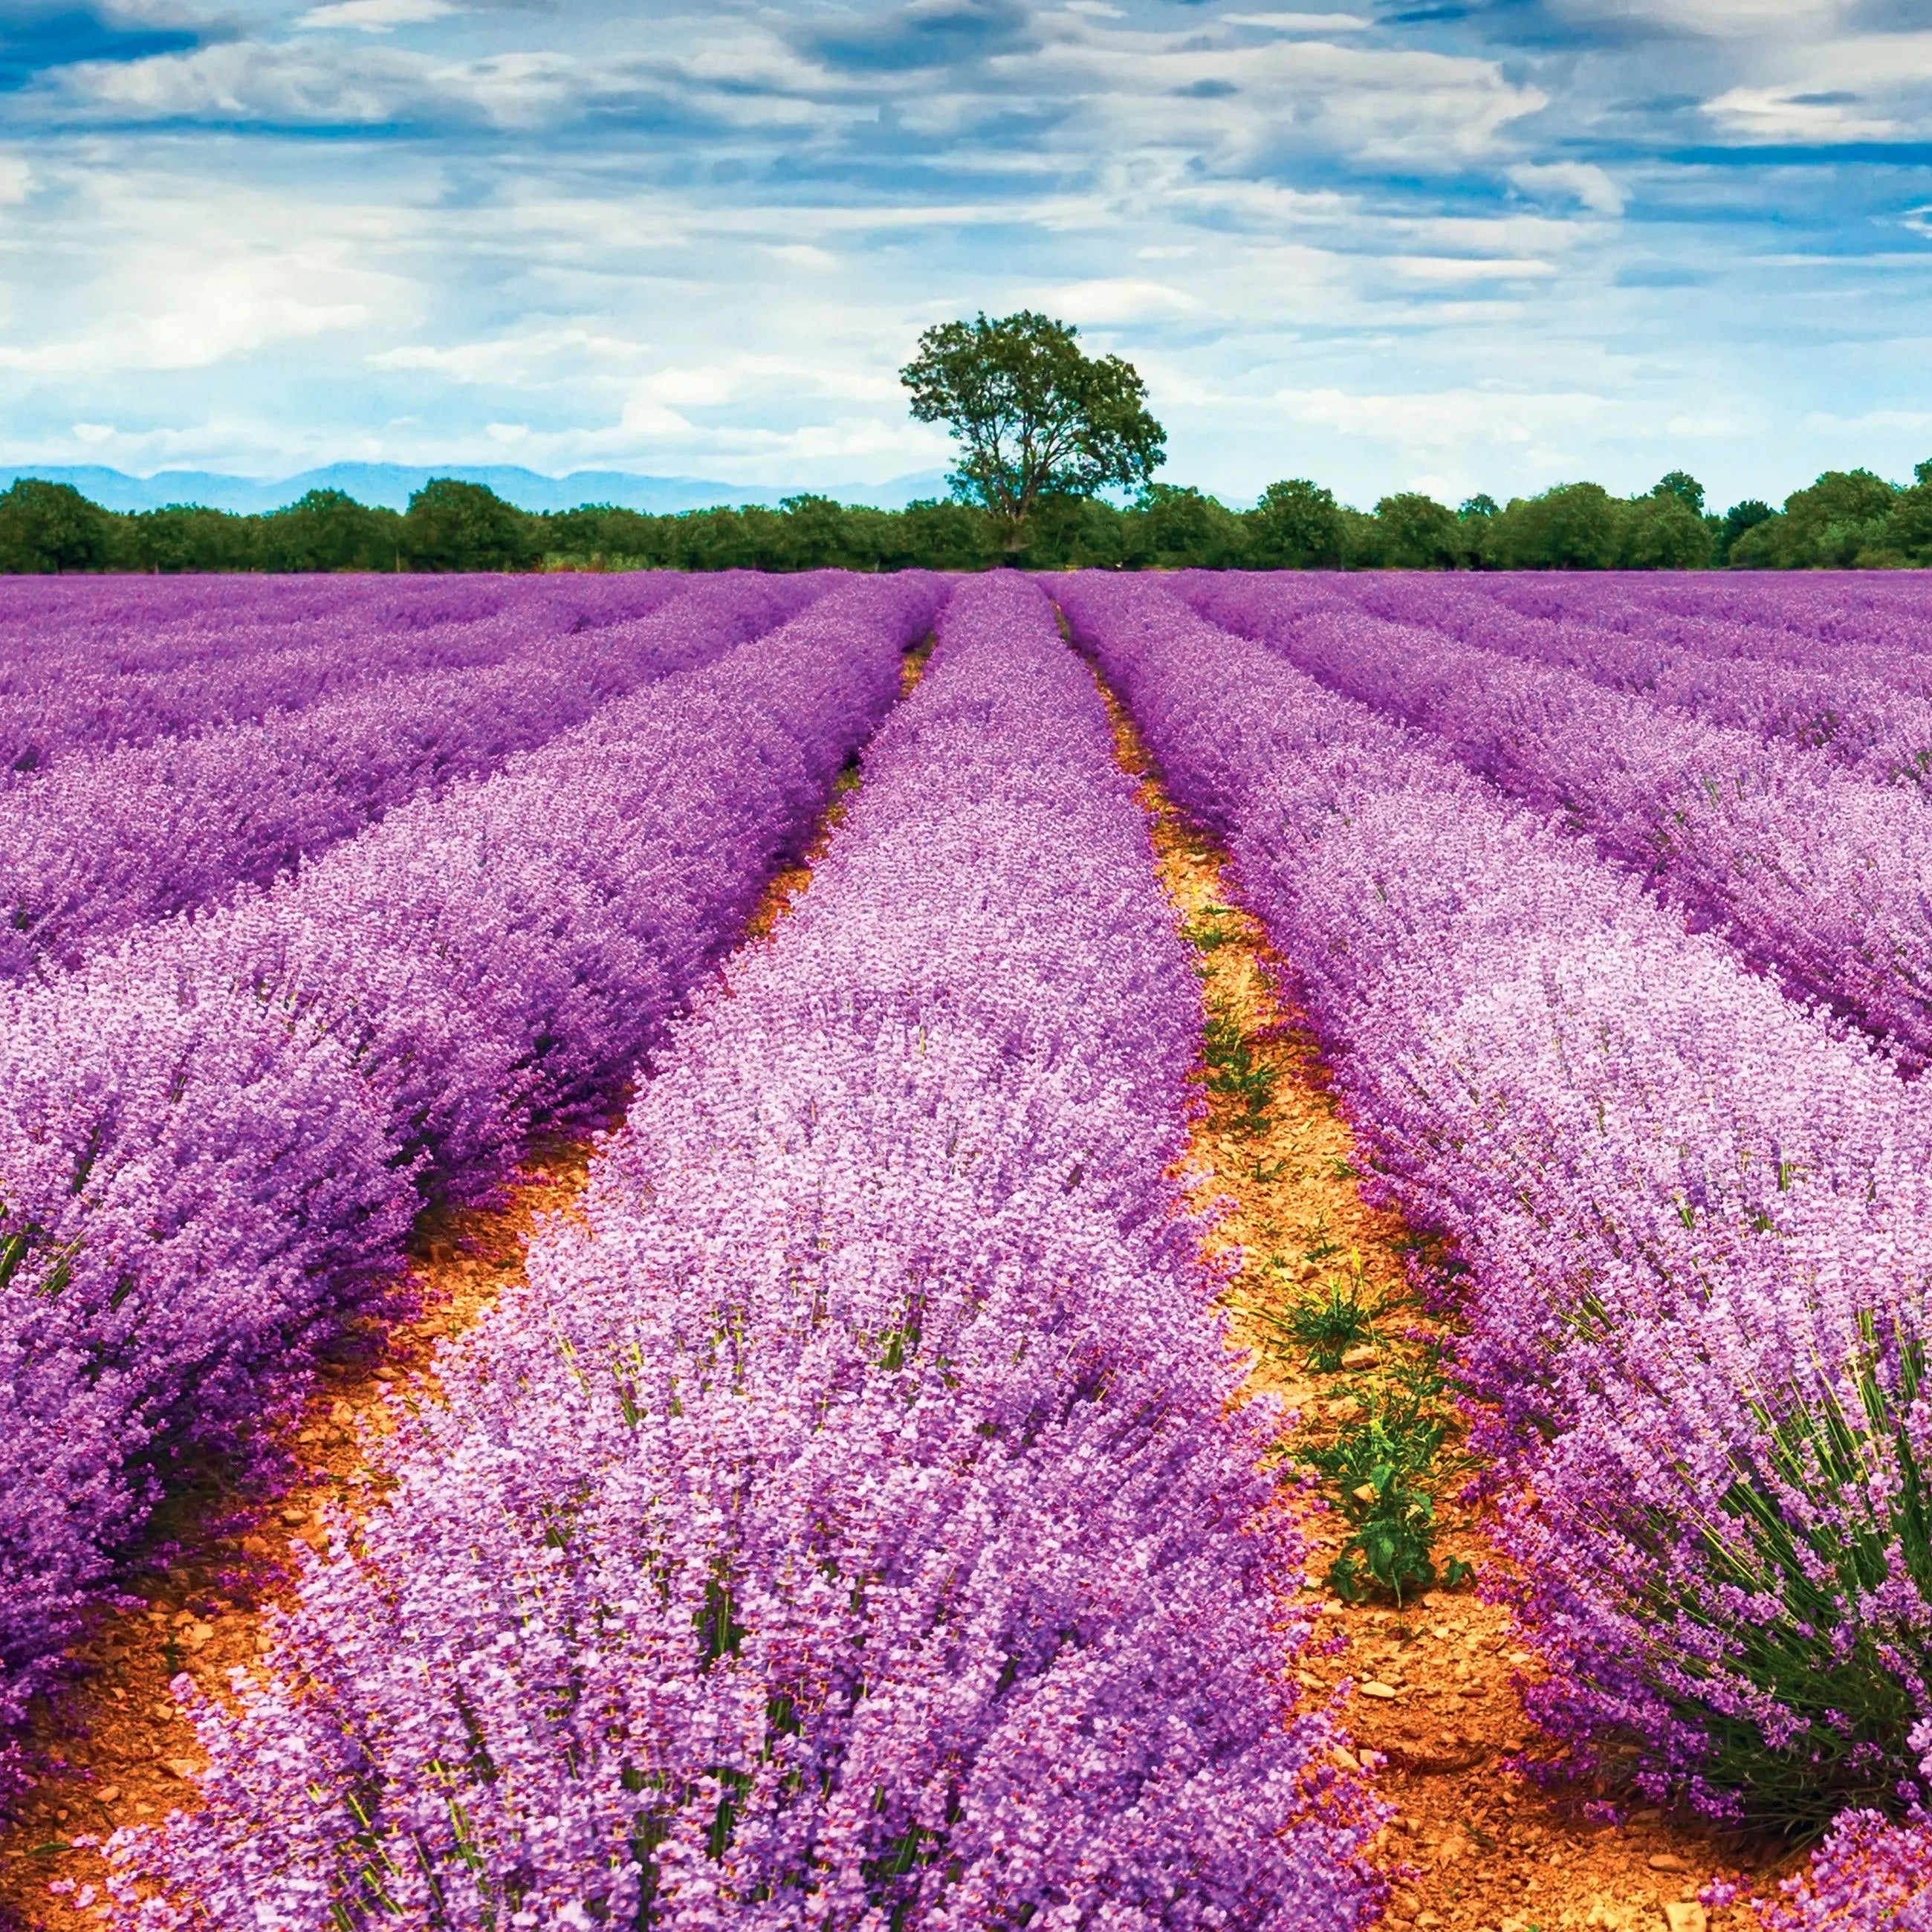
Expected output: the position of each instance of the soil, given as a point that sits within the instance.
(1476, 1846)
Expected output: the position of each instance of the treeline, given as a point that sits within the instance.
(1848, 519)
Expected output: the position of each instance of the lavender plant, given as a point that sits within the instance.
(88, 664)
(1697, 1222)
(212, 1140)
(1821, 880)
(1866, 708)
(849, 1526)
(106, 844)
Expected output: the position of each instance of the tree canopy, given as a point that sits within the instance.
(1034, 414)
(46, 527)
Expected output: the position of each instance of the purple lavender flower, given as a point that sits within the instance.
(1817, 878)
(208, 1137)
(1696, 1219)
(849, 1526)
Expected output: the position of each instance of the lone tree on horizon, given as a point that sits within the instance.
(1034, 416)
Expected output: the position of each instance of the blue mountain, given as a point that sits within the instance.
(391, 484)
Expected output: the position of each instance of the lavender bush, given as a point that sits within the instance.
(106, 843)
(209, 1138)
(1697, 1224)
(194, 659)
(1868, 1876)
(1815, 877)
(848, 1526)
(1867, 709)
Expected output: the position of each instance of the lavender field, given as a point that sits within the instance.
(861, 1505)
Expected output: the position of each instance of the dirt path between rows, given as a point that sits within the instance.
(1477, 1847)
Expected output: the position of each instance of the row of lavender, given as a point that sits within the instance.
(1866, 706)
(1815, 876)
(106, 843)
(79, 672)
(214, 1139)
(847, 1526)
(1697, 1220)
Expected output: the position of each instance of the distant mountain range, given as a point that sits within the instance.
(392, 483)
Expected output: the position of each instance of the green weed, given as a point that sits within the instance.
(1384, 1471)
(1324, 1326)
(1209, 930)
(1235, 1073)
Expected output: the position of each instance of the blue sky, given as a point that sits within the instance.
(1446, 246)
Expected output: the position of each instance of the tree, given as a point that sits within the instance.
(327, 529)
(1571, 527)
(1909, 528)
(187, 537)
(814, 532)
(1296, 525)
(1034, 415)
(454, 525)
(46, 527)
(1417, 533)
(1683, 488)
(947, 535)
(1738, 519)
(1841, 514)
(1180, 529)
(1663, 531)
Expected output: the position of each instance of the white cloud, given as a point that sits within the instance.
(1774, 114)
(1582, 181)
(1438, 270)
(16, 181)
(1789, 19)
(1120, 299)
(376, 16)
(1300, 23)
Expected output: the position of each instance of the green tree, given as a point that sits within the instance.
(46, 527)
(1843, 514)
(946, 535)
(1571, 527)
(1034, 415)
(1738, 519)
(1177, 528)
(1417, 533)
(1296, 525)
(1681, 486)
(1665, 530)
(187, 537)
(327, 529)
(455, 525)
(599, 536)
(1909, 527)
(814, 534)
